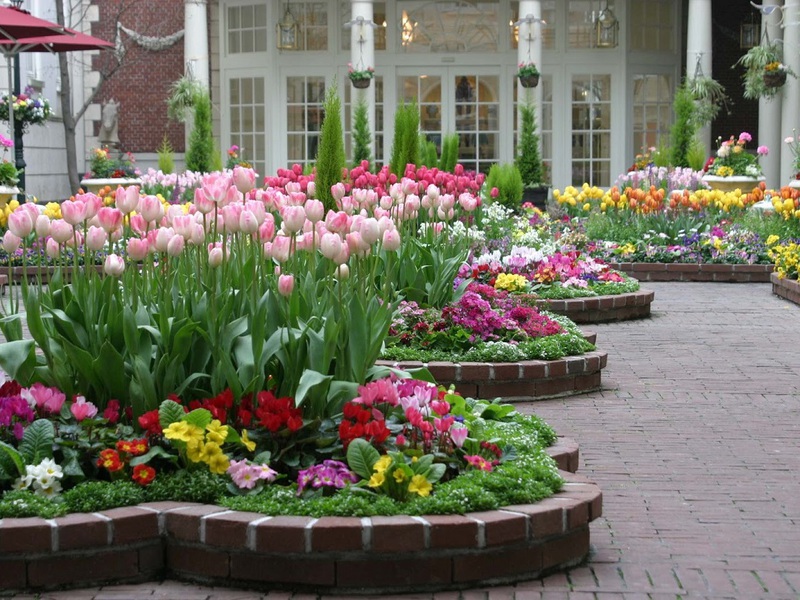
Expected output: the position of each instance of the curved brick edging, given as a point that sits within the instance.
(603, 309)
(195, 542)
(789, 289)
(695, 272)
(524, 380)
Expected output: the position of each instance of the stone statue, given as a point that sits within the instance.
(109, 118)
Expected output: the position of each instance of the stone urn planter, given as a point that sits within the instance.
(7, 194)
(795, 184)
(730, 184)
(95, 185)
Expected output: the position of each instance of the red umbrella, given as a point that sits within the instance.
(69, 41)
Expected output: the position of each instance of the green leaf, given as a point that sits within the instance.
(308, 380)
(11, 459)
(436, 472)
(361, 457)
(18, 359)
(199, 417)
(37, 441)
(169, 412)
(155, 451)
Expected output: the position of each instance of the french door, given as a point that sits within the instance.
(457, 100)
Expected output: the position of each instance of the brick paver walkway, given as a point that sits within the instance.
(695, 442)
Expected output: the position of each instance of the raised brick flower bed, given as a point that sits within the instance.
(786, 288)
(603, 309)
(695, 272)
(524, 380)
(210, 544)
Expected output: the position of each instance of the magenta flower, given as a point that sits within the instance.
(81, 409)
(459, 435)
(762, 151)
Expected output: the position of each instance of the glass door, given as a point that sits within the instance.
(458, 100)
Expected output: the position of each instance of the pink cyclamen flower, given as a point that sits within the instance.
(285, 285)
(81, 409)
(762, 151)
(459, 435)
(47, 399)
(114, 265)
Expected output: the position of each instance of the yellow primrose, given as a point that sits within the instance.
(216, 432)
(377, 480)
(247, 442)
(219, 463)
(420, 485)
(399, 475)
(194, 450)
(382, 464)
(183, 431)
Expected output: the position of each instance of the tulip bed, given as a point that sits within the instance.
(226, 351)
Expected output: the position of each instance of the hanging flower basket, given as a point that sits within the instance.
(529, 81)
(361, 83)
(774, 79)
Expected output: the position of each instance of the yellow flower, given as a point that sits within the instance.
(377, 480)
(399, 475)
(183, 431)
(382, 464)
(509, 282)
(247, 442)
(210, 450)
(194, 450)
(420, 485)
(216, 432)
(219, 463)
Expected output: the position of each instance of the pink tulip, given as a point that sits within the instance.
(198, 235)
(96, 238)
(114, 265)
(20, 223)
(248, 222)
(258, 210)
(315, 210)
(215, 187)
(356, 244)
(311, 189)
(285, 285)
(215, 255)
(163, 236)
(76, 240)
(137, 249)
(338, 191)
(244, 179)
(281, 247)
(110, 218)
(52, 248)
(202, 203)
(391, 240)
(338, 222)
(231, 214)
(42, 226)
(183, 225)
(468, 202)
(93, 203)
(81, 409)
(11, 242)
(370, 231)
(150, 208)
(267, 229)
(73, 212)
(138, 224)
(342, 272)
(330, 245)
(293, 218)
(175, 245)
(127, 199)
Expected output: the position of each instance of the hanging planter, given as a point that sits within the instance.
(360, 83)
(529, 81)
(775, 78)
(528, 75)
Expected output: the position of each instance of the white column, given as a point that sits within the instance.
(791, 91)
(195, 40)
(529, 46)
(699, 48)
(362, 56)
(769, 111)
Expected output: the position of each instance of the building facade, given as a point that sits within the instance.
(609, 69)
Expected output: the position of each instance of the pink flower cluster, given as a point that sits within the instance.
(246, 474)
(330, 475)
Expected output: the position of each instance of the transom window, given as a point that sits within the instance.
(449, 26)
(653, 25)
(247, 29)
(548, 27)
(312, 23)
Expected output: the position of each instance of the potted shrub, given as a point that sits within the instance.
(765, 72)
(505, 185)
(528, 75)
(529, 161)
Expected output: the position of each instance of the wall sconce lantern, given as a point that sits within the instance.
(606, 29)
(749, 34)
(287, 31)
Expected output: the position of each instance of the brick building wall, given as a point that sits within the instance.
(141, 85)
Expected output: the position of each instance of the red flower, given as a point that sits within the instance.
(133, 447)
(150, 423)
(110, 460)
(111, 413)
(143, 475)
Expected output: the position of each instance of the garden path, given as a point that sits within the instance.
(695, 442)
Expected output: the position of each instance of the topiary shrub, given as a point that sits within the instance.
(447, 162)
(405, 145)
(362, 137)
(684, 128)
(201, 141)
(330, 155)
(529, 159)
(508, 181)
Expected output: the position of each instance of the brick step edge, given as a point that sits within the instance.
(211, 544)
(603, 309)
(695, 272)
(788, 289)
(519, 381)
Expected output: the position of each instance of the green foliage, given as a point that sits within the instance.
(216, 158)
(709, 97)
(201, 140)
(330, 155)
(362, 136)
(754, 62)
(405, 145)
(182, 97)
(508, 181)
(9, 175)
(166, 156)
(684, 128)
(187, 486)
(94, 496)
(427, 153)
(19, 504)
(447, 162)
(529, 160)
(696, 155)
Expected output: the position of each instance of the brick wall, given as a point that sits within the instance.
(141, 85)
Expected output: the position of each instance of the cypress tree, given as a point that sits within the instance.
(362, 137)
(201, 140)
(330, 155)
(529, 160)
(683, 130)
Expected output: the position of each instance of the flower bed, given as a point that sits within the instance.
(696, 272)
(786, 288)
(195, 542)
(604, 309)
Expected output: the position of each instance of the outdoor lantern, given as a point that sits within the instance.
(606, 28)
(749, 34)
(287, 31)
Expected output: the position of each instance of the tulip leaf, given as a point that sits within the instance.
(361, 456)
(308, 380)
(18, 359)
